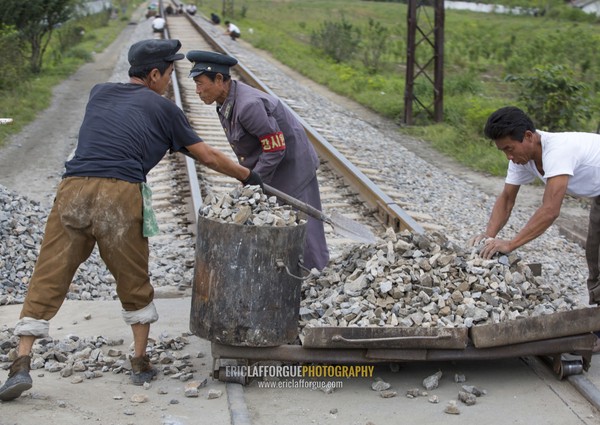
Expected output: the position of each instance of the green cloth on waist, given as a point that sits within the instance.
(150, 226)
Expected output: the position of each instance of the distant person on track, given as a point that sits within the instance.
(103, 199)
(566, 162)
(158, 24)
(215, 19)
(232, 30)
(266, 137)
(191, 9)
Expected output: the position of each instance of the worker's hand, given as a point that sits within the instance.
(253, 179)
(493, 246)
(475, 240)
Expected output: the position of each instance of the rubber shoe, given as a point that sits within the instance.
(18, 379)
(141, 370)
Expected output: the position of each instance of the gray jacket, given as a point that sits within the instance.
(268, 139)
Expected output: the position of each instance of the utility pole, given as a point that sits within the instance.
(227, 9)
(427, 34)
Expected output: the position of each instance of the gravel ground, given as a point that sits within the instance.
(457, 199)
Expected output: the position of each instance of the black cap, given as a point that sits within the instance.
(209, 61)
(147, 52)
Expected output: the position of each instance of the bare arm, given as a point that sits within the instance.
(218, 161)
(502, 209)
(555, 191)
(500, 213)
(545, 215)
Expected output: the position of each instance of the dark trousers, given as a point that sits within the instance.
(592, 250)
(316, 252)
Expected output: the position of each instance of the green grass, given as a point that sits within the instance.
(480, 50)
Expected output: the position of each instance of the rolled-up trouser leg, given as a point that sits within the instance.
(145, 315)
(592, 251)
(32, 327)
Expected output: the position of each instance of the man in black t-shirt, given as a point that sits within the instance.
(102, 199)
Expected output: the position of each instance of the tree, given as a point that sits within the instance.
(35, 21)
(11, 65)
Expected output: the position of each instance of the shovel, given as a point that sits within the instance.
(341, 225)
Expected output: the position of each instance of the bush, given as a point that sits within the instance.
(338, 40)
(374, 45)
(554, 98)
(12, 63)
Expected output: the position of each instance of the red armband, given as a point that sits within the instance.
(273, 142)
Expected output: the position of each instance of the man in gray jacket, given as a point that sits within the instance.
(266, 137)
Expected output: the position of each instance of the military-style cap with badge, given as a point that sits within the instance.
(154, 51)
(209, 62)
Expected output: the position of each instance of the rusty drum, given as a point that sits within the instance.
(241, 294)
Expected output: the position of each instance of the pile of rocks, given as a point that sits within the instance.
(22, 223)
(249, 206)
(89, 358)
(413, 280)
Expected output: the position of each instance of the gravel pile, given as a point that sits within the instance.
(428, 282)
(249, 206)
(79, 359)
(22, 224)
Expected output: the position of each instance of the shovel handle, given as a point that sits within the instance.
(290, 200)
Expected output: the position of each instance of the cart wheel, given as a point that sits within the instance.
(570, 367)
(564, 367)
(228, 370)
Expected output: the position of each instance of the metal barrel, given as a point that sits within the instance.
(240, 295)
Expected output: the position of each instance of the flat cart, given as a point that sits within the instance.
(248, 308)
(565, 339)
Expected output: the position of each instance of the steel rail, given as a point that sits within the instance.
(190, 164)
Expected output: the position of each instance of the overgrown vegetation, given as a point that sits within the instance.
(553, 95)
(481, 51)
(337, 39)
(27, 80)
(34, 22)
